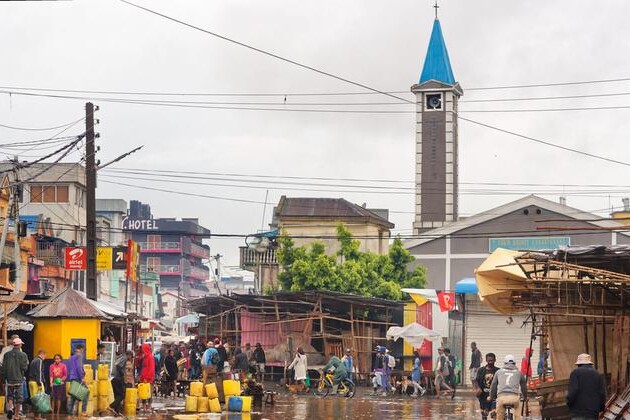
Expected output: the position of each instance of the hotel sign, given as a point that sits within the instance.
(139, 224)
(533, 243)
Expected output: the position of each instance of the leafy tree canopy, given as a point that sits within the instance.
(349, 270)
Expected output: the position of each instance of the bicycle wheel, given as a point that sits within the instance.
(351, 389)
(322, 389)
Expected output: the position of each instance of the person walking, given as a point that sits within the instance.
(508, 386)
(147, 373)
(260, 358)
(416, 375)
(377, 380)
(218, 345)
(475, 364)
(586, 395)
(483, 383)
(36, 378)
(300, 365)
(76, 373)
(451, 378)
(14, 368)
(348, 362)
(389, 362)
(441, 373)
(170, 365)
(118, 381)
(241, 364)
(58, 374)
(209, 362)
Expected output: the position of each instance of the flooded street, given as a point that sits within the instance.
(362, 407)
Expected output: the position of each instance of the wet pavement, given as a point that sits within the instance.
(362, 407)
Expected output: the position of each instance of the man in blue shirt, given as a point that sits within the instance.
(348, 363)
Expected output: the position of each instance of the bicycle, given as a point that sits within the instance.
(509, 415)
(325, 385)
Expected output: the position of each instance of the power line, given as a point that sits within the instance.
(261, 51)
(39, 129)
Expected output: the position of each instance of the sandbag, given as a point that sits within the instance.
(211, 391)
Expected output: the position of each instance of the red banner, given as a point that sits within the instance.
(76, 258)
(446, 301)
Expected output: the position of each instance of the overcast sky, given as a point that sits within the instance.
(107, 45)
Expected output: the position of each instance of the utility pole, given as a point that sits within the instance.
(91, 290)
(17, 260)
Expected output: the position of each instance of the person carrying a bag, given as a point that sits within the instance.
(76, 377)
(14, 367)
(36, 379)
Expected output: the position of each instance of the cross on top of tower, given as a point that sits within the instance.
(436, 7)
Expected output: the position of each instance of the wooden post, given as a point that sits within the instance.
(604, 361)
(237, 339)
(595, 343)
(354, 343)
(585, 322)
(4, 325)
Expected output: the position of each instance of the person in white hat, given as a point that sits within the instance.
(586, 396)
(13, 370)
(508, 386)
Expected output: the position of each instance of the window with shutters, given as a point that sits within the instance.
(49, 194)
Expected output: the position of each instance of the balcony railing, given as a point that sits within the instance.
(163, 270)
(197, 272)
(199, 251)
(160, 247)
(51, 253)
(250, 258)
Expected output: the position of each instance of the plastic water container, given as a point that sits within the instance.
(144, 391)
(196, 389)
(247, 404)
(103, 387)
(103, 372)
(89, 374)
(235, 404)
(191, 404)
(130, 410)
(231, 387)
(2, 403)
(202, 405)
(131, 396)
(214, 405)
(211, 391)
(103, 402)
(93, 390)
(89, 410)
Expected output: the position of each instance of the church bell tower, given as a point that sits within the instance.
(437, 94)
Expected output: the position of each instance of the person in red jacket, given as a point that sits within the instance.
(147, 373)
(526, 363)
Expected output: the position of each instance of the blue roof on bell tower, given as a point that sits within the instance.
(437, 66)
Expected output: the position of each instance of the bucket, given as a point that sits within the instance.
(247, 404)
(231, 387)
(211, 391)
(235, 404)
(202, 405)
(214, 405)
(144, 391)
(196, 389)
(191, 404)
(131, 396)
(130, 410)
(103, 372)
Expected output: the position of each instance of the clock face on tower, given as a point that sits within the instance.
(433, 101)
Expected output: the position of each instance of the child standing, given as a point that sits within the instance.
(58, 375)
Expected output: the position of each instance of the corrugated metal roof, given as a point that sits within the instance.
(68, 303)
(326, 208)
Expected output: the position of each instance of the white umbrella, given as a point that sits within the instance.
(413, 333)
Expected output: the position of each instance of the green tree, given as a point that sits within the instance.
(350, 270)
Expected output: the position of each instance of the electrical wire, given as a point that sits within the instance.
(40, 129)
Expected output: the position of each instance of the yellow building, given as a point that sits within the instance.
(316, 219)
(67, 320)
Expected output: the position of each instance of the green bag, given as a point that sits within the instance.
(79, 391)
(307, 381)
(41, 403)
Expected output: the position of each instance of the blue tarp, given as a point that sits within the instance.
(466, 285)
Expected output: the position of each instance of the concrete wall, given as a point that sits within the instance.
(55, 335)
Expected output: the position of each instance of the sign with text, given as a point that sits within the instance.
(532, 243)
(446, 301)
(132, 260)
(104, 258)
(119, 258)
(139, 224)
(75, 258)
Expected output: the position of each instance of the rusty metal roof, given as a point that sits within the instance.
(335, 208)
(68, 303)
